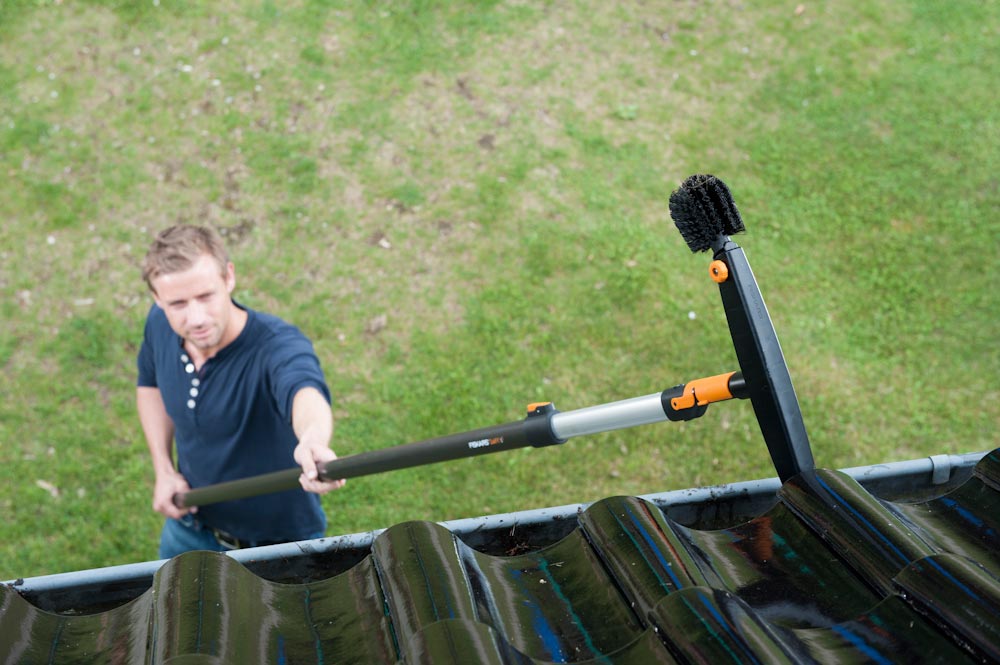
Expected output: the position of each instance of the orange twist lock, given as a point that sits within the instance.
(704, 391)
(719, 271)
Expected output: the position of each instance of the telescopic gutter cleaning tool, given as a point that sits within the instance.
(705, 214)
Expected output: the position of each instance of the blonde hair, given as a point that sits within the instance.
(177, 248)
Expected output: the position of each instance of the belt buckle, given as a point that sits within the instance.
(227, 540)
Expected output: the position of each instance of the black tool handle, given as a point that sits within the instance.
(535, 430)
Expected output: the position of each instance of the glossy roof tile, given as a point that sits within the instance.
(829, 573)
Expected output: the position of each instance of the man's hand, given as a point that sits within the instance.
(159, 431)
(168, 484)
(313, 424)
(310, 455)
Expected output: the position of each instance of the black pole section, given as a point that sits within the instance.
(767, 381)
(534, 430)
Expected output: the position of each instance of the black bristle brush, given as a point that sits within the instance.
(704, 212)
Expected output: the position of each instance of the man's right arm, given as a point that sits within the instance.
(159, 431)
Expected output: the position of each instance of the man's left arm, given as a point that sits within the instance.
(312, 421)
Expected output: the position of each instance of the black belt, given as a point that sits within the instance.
(231, 542)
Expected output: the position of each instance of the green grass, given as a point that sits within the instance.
(491, 178)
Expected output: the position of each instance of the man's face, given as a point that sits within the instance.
(197, 302)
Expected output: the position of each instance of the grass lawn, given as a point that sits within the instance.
(464, 205)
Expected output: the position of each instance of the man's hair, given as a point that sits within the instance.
(178, 248)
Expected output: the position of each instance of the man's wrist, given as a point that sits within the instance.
(165, 472)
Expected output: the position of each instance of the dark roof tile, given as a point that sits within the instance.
(828, 573)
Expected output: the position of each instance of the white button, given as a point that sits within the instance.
(190, 403)
(184, 358)
(189, 368)
(195, 382)
(194, 392)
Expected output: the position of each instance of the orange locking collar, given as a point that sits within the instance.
(704, 391)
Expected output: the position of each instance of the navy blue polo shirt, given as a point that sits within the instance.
(233, 419)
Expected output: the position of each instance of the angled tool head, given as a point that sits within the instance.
(703, 210)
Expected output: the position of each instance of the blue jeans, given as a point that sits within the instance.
(188, 533)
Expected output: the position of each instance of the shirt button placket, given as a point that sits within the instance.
(189, 369)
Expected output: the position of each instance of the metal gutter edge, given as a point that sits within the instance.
(537, 527)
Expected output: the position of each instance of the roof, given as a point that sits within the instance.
(817, 568)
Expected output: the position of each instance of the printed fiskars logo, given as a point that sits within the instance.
(482, 443)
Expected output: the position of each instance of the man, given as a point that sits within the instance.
(240, 392)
